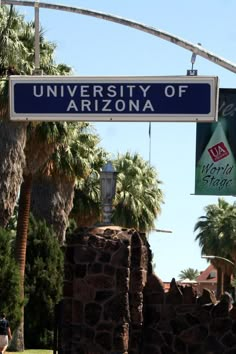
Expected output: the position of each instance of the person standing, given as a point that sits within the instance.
(5, 333)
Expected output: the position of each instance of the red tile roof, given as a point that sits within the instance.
(209, 275)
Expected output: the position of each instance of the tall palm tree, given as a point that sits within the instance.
(12, 136)
(138, 195)
(17, 56)
(68, 168)
(86, 209)
(13, 52)
(217, 236)
(87, 205)
(129, 203)
(42, 140)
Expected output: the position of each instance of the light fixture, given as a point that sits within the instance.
(108, 187)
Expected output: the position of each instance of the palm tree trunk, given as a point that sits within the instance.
(20, 251)
(227, 282)
(52, 200)
(12, 162)
(219, 290)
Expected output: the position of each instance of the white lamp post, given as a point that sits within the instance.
(37, 70)
(218, 257)
(108, 187)
(36, 38)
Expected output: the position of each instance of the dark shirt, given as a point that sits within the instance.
(4, 324)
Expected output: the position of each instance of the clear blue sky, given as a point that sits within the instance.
(100, 48)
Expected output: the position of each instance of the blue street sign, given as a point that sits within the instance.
(180, 98)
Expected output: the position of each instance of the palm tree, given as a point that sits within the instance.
(12, 136)
(189, 273)
(69, 167)
(42, 139)
(17, 56)
(217, 236)
(13, 55)
(86, 205)
(87, 211)
(138, 195)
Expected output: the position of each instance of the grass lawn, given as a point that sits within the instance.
(34, 351)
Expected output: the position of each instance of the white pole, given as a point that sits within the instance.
(150, 141)
(218, 257)
(36, 38)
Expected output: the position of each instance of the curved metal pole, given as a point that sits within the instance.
(197, 49)
(218, 257)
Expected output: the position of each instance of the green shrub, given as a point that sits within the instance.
(9, 279)
(43, 284)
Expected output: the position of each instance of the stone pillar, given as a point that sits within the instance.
(96, 313)
(154, 298)
(138, 279)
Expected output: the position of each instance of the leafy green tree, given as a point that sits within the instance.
(189, 273)
(217, 236)
(9, 279)
(43, 284)
(138, 194)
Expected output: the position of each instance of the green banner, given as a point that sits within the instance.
(216, 150)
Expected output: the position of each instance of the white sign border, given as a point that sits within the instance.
(213, 81)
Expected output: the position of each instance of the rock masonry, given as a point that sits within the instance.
(114, 304)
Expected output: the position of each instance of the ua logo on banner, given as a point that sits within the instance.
(218, 151)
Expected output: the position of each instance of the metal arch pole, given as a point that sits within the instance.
(36, 38)
(136, 25)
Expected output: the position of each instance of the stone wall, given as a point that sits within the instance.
(184, 324)
(103, 293)
(114, 304)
